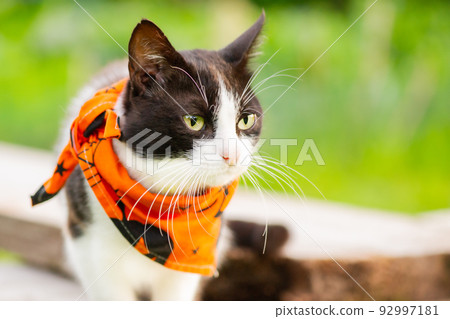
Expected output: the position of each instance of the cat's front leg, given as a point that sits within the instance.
(177, 286)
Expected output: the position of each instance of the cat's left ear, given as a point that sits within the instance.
(151, 56)
(238, 52)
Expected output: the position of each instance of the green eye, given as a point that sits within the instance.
(247, 121)
(194, 122)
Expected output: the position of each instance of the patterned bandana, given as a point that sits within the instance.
(179, 232)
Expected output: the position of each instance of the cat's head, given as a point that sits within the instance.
(199, 102)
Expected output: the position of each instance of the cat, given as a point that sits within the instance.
(193, 97)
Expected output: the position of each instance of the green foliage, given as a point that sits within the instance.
(6, 256)
(376, 104)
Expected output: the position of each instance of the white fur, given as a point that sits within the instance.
(107, 266)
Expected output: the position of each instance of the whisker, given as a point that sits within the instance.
(143, 194)
(255, 74)
(266, 228)
(192, 79)
(199, 222)
(151, 206)
(206, 217)
(266, 168)
(174, 200)
(248, 99)
(190, 194)
(139, 181)
(146, 226)
(168, 215)
(202, 87)
(275, 75)
(274, 161)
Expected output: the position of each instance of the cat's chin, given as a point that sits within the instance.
(167, 181)
(224, 177)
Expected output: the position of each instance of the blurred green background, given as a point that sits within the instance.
(376, 105)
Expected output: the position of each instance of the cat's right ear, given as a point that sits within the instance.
(238, 52)
(150, 56)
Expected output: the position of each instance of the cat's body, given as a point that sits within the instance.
(103, 260)
(161, 79)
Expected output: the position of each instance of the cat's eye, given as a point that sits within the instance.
(247, 121)
(194, 122)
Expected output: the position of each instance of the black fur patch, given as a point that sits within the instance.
(80, 214)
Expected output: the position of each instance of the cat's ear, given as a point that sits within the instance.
(150, 56)
(239, 51)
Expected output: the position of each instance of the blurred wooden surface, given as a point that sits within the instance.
(380, 248)
(246, 276)
(26, 282)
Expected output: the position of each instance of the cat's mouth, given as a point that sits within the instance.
(224, 176)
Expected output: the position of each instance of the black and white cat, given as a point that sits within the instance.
(193, 97)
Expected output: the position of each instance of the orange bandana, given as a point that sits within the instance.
(179, 232)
